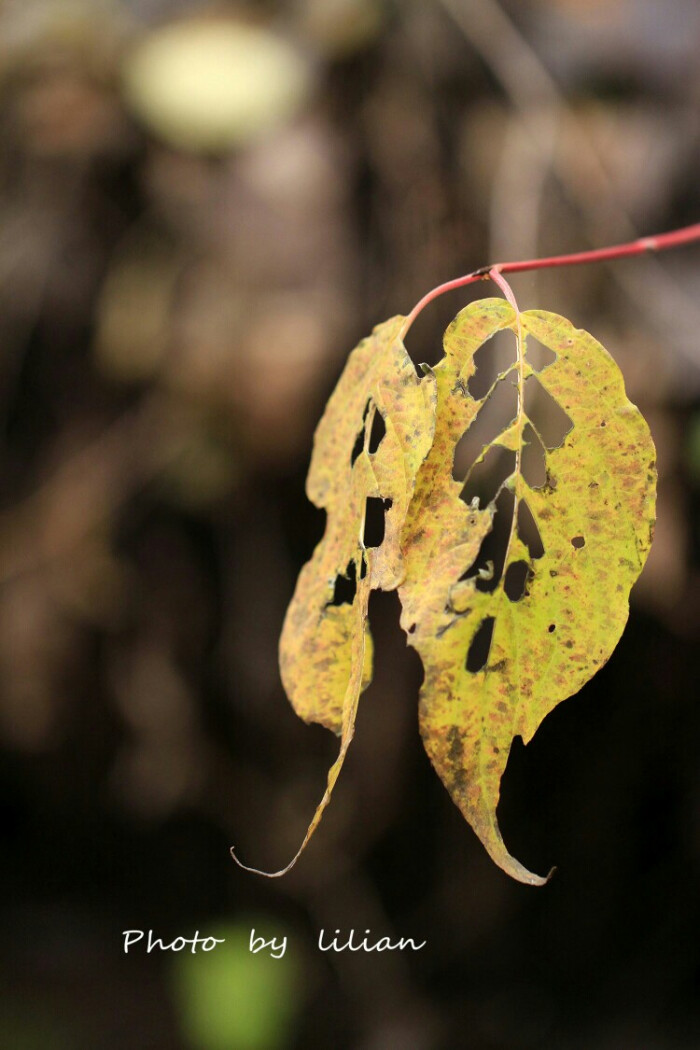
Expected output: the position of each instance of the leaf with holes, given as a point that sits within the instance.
(504, 640)
(375, 432)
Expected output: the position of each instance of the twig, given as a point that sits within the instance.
(659, 242)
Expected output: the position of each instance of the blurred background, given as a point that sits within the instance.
(203, 207)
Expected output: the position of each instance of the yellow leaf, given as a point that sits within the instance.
(347, 470)
(374, 433)
(577, 541)
(503, 639)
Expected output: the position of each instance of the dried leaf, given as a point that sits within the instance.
(581, 539)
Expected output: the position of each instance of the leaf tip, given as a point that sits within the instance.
(490, 835)
(257, 871)
(519, 872)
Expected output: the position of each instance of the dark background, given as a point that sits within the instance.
(179, 288)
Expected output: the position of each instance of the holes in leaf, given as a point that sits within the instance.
(578, 542)
(357, 447)
(537, 355)
(528, 531)
(552, 628)
(533, 460)
(487, 477)
(345, 587)
(376, 434)
(375, 510)
(495, 416)
(494, 357)
(487, 569)
(550, 420)
(480, 646)
(360, 439)
(518, 575)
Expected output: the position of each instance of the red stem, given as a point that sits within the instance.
(619, 251)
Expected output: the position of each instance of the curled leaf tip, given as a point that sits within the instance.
(519, 872)
(258, 871)
(529, 878)
(489, 833)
